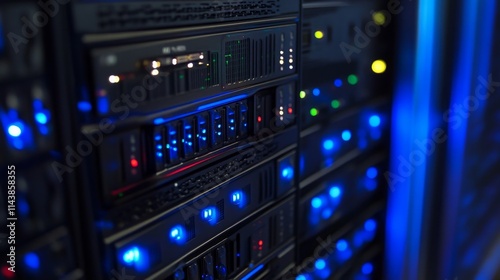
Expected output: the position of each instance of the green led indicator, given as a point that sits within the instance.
(313, 112)
(335, 104)
(181, 76)
(352, 79)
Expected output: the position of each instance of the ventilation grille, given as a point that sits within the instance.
(190, 228)
(136, 15)
(214, 69)
(266, 184)
(237, 59)
(250, 59)
(220, 210)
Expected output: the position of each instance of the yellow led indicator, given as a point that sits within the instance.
(302, 94)
(313, 112)
(378, 18)
(318, 34)
(379, 66)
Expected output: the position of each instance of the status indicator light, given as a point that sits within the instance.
(371, 172)
(209, 215)
(32, 261)
(132, 256)
(370, 225)
(328, 144)
(379, 66)
(114, 79)
(236, 197)
(341, 245)
(313, 112)
(178, 234)
(41, 118)
(367, 268)
(302, 94)
(335, 192)
(320, 264)
(379, 18)
(374, 121)
(134, 163)
(335, 104)
(316, 202)
(287, 173)
(15, 130)
(352, 79)
(346, 135)
(319, 34)
(316, 91)
(338, 83)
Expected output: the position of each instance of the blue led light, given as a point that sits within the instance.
(253, 272)
(316, 91)
(41, 118)
(2, 41)
(15, 130)
(338, 82)
(24, 207)
(367, 268)
(32, 260)
(209, 214)
(237, 197)
(316, 202)
(84, 106)
(320, 264)
(178, 234)
(300, 277)
(287, 173)
(132, 256)
(371, 172)
(335, 192)
(221, 102)
(346, 135)
(374, 121)
(328, 144)
(326, 213)
(370, 225)
(103, 104)
(341, 245)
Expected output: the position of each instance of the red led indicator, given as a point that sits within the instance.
(7, 273)
(290, 110)
(134, 162)
(259, 119)
(260, 242)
